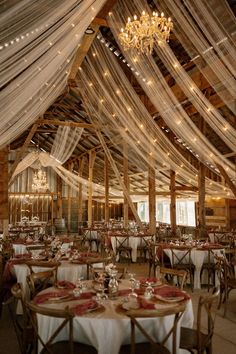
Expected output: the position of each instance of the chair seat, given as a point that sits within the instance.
(188, 338)
(143, 348)
(62, 348)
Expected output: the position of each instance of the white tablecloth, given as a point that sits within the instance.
(66, 271)
(198, 257)
(21, 248)
(108, 330)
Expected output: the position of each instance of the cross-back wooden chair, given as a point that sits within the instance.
(156, 257)
(181, 259)
(198, 339)
(174, 276)
(21, 323)
(226, 276)
(123, 249)
(151, 344)
(63, 321)
(40, 281)
(36, 250)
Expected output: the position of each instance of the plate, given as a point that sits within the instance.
(170, 299)
(130, 305)
(58, 298)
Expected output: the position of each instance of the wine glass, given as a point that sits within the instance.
(149, 291)
(78, 286)
(132, 281)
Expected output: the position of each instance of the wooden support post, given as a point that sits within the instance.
(126, 183)
(201, 200)
(172, 202)
(52, 208)
(59, 197)
(4, 217)
(152, 199)
(115, 169)
(71, 165)
(80, 194)
(92, 155)
(106, 182)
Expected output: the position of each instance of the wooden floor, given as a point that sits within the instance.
(224, 340)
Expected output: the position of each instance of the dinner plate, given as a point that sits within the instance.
(170, 299)
(130, 305)
(58, 298)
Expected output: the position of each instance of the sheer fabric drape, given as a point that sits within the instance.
(114, 105)
(38, 40)
(154, 84)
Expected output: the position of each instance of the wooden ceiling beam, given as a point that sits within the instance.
(81, 53)
(65, 123)
(87, 40)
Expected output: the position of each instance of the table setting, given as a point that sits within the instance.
(102, 321)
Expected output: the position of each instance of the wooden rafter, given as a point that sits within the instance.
(65, 123)
(82, 51)
(88, 39)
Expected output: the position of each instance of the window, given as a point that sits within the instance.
(185, 212)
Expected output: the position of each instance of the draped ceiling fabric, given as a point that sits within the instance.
(63, 146)
(38, 40)
(155, 86)
(208, 36)
(112, 102)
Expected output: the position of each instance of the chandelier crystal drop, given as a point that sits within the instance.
(143, 33)
(40, 181)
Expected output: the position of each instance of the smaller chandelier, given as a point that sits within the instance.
(142, 34)
(40, 181)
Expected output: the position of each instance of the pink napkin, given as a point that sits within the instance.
(170, 291)
(81, 309)
(144, 304)
(66, 284)
(150, 280)
(124, 292)
(40, 299)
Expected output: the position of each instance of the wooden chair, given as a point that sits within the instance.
(226, 276)
(123, 249)
(151, 345)
(21, 323)
(64, 321)
(37, 249)
(157, 257)
(40, 281)
(174, 276)
(6, 252)
(181, 259)
(51, 264)
(196, 339)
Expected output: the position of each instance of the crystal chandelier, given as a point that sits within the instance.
(39, 181)
(141, 34)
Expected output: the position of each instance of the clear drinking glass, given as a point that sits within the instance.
(132, 281)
